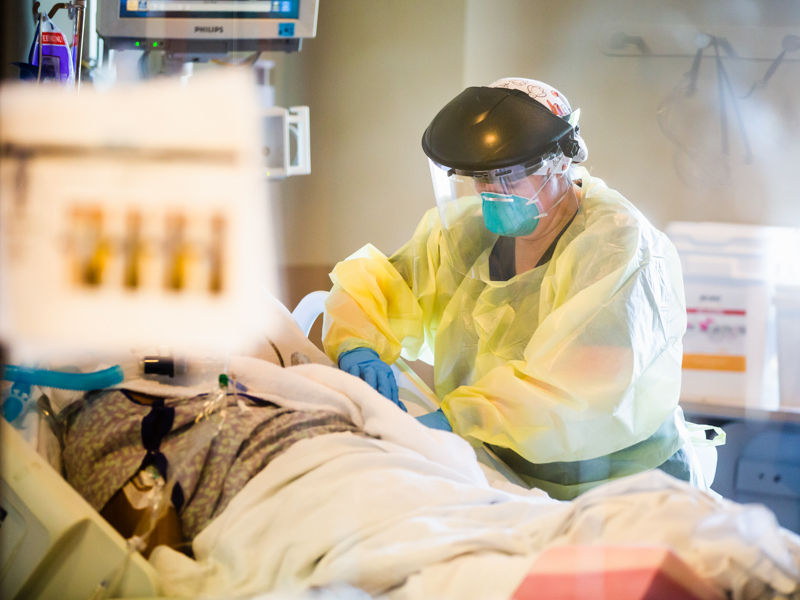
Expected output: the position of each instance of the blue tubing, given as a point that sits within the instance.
(82, 382)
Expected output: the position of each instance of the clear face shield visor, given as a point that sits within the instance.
(476, 208)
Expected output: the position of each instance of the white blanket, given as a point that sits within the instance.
(411, 514)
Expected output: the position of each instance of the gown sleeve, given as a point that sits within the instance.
(386, 304)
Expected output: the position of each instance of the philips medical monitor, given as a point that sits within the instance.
(206, 26)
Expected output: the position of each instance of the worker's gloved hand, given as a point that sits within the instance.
(436, 420)
(365, 364)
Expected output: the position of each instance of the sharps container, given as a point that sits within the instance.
(728, 276)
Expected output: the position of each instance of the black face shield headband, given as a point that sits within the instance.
(485, 130)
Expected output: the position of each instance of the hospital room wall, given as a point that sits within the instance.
(373, 78)
(379, 70)
(619, 98)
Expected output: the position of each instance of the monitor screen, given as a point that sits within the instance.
(206, 27)
(210, 9)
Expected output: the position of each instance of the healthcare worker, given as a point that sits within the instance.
(551, 309)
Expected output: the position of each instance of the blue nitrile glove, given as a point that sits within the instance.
(436, 420)
(365, 364)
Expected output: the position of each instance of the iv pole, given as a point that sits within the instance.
(80, 17)
(79, 6)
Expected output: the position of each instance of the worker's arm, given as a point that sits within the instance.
(385, 303)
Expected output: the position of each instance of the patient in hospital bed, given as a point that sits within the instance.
(209, 462)
(312, 479)
(121, 444)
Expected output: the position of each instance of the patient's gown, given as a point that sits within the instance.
(111, 437)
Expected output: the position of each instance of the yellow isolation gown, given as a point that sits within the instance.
(571, 371)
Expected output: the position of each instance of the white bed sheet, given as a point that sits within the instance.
(411, 514)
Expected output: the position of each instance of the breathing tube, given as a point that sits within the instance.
(82, 382)
(24, 378)
(166, 369)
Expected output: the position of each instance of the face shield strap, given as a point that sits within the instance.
(557, 202)
(569, 145)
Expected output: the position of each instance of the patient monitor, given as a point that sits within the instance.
(190, 27)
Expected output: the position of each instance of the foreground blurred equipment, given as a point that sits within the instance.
(124, 232)
(118, 233)
(619, 572)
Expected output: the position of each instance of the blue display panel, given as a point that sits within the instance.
(210, 9)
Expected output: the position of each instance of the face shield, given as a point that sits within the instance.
(477, 208)
(499, 159)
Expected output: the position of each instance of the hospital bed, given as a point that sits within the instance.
(54, 545)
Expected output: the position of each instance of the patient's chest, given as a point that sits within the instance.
(209, 459)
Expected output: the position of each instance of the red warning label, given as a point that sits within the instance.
(53, 38)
